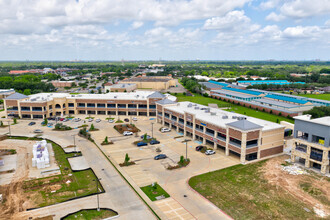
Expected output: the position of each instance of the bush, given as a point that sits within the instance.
(83, 133)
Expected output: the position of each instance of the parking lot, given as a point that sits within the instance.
(183, 203)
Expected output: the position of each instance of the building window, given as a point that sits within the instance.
(91, 105)
(71, 104)
(81, 105)
(152, 106)
(111, 105)
(57, 106)
(101, 105)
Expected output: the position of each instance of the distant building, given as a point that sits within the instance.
(154, 82)
(121, 87)
(311, 142)
(60, 84)
(6, 92)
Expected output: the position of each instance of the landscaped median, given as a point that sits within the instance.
(59, 188)
(91, 214)
(155, 192)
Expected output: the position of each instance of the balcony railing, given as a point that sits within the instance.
(317, 157)
(189, 126)
(209, 133)
(252, 145)
(181, 122)
(167, 116)
(221, 138)
(235, 144)
(301, 148)
(200, 130)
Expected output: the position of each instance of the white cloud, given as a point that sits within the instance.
(269, 4)
(234, 21)
(137, 24)
(275, 17)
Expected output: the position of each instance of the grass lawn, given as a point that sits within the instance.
(91, 214)
(242, 192)
(153, 192)
(236, 108)
(317, 96)
(81, 182)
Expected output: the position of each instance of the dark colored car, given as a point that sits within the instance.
(43, 123)
(51, 119)
(140, 144)
(152, 142)
(32, 123)
(160, 156)
(199, 148)
(126, 120)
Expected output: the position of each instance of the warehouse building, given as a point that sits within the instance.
(311, 142)
(249, 138)
(44, 105)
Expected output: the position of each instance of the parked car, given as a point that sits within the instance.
(97, 120)
(32, 123)
(43, 123)
(51, 119)
(126, 120)
(165, 130)
(140, 144)
(76, 120)
(148, 137)
(38, 131)
(209, 152)
(62, 119)
(111, 121)
(160, 156)
(199, 147)
(50, 124)
(65, 119)
(134, 118)
(126, 133)
(90, 120)
(152, 142)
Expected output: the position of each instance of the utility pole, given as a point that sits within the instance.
(186, 140)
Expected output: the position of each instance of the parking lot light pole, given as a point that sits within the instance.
(9, 128)
(97, 193)
(186, 140)
(74, 142)
(152, 130)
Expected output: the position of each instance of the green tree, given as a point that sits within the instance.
(92, 127)
(1, 124)
(106, 139)
(15, 121)
(127, 159)
(46, 121)
(27, 92)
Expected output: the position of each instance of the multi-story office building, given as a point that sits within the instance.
(44, 105)
(311, 142)
(249, 138)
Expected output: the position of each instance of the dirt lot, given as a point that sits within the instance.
(310, 188)
(263, 190)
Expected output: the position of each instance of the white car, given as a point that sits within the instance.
(97, 120)
(38, 131)
(90, 120)
(165, 130)
(126, 133)
(134, 118)
(111, 121)
(209, 152)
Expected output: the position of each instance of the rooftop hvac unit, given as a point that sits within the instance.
(207, 111)
(225, 117)
(196, 107)
(115, 96)
(213, 113)
(189, 105)
(234, 117)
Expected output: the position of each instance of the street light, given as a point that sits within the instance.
(186, 140)
(97, 193)
(152, 130)
(74, 142)
(9, 128)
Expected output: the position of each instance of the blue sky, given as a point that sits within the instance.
(164, 29)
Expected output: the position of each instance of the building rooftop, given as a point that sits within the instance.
(244, 125)
(231, 93)
(250, 92)
(17, 96)
(322, 121)
(219, 117)
(137, 95)
(209, 85)
(276, 103)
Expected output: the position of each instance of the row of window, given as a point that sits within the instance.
(98, 105)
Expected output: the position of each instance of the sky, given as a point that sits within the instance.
(164, 29)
